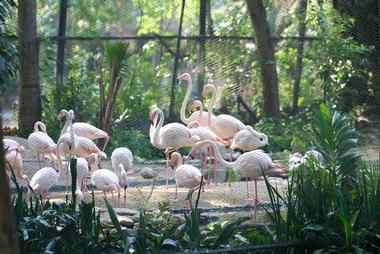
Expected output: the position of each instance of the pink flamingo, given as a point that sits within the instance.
(225, 126)
(199, 116)
(104, 179)
(122, 161)
(40, 142)
(249, 140)
(249, 165)
(170, 137)
(13, 158)
(82, 129)
(186, 175)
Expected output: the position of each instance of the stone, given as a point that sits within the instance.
(125, 211)
(147, 173)
(177, 220)
(126, 221)
(135, 218)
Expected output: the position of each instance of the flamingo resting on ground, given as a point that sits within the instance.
(249, 140)
(199, 116)
(104, 179)
(170, 137)
(82, 129)
(186, 175)
(252, 164)
(40, 142)
(225, 126)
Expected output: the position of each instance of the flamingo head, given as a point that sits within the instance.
(175, 157)
(207, 88)
(186, 76)
(153, 115)
(196, 104)
(71, 113)
(63, 113)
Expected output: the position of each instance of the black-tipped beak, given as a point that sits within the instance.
(125, 187)
(191, 156)
(151, 122)
(177, 81)
(172, 166)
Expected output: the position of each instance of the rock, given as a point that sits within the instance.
(135, 218)
(125, 221)
(177, 220)
(125, 211)
(147, 173)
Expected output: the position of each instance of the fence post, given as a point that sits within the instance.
(61, 41)
(176, 58)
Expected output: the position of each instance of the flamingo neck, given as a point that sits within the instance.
(211, 107)
(179, 161)
(184, 103)
(156, 137)
(67, 123)
(72, 136)
(39, 125)
(218, 155)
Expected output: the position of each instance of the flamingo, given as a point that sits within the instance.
(46, 177)
(252, 164)
(225, 126)
(121, 155)
(147, 173)
(13, 159)
(82, 129)
(104, 179)
(186, 175)
(170, 137)
(249, 140)
(82, 172)
(199, 116)
(10, 144)
(40, 142)
(123, 180)
(297, 159)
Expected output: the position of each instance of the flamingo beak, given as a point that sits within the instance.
(172, 167)
(177, 81)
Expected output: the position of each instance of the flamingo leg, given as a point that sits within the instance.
(105, 194)
(230, 171)
(176, 191)
(167, 154)
(216, 170)
(246, 182)
(208, 158)
(255, 204)
(202, 166)
(125, 194)
(112, 195)
(105, 143)
(38, 158)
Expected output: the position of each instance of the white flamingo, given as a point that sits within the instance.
(13, 158)
(225, 126)
(186, 175)
(199, 116)
(252, 164)
(297, 159)
(172, 136)
(82, 129)
(249, 140)
(10, 144)
(40, 142)
(104, 179)
(82, 172)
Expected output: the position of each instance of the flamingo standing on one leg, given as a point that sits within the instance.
(170, 137)
(225, 126)
(186, 175)
(82, 129)
(199, 116)
(251, 164)
(40, 142)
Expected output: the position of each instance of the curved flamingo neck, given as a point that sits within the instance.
(39, 125)
(185, 101)
(156, 137)
(179, 160)
(67, 123)
(72, 136)
(218, 155)
(211, 106)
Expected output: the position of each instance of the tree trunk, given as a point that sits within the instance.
(300, 46)
(202, 48)
(175, 67)
(210, 22)
(60, 53)
(30, 92)
(8, 239)
(267, 60)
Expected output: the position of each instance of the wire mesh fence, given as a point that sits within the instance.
(319, 54)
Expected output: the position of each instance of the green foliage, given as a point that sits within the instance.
(8, 51)
(333, 202)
